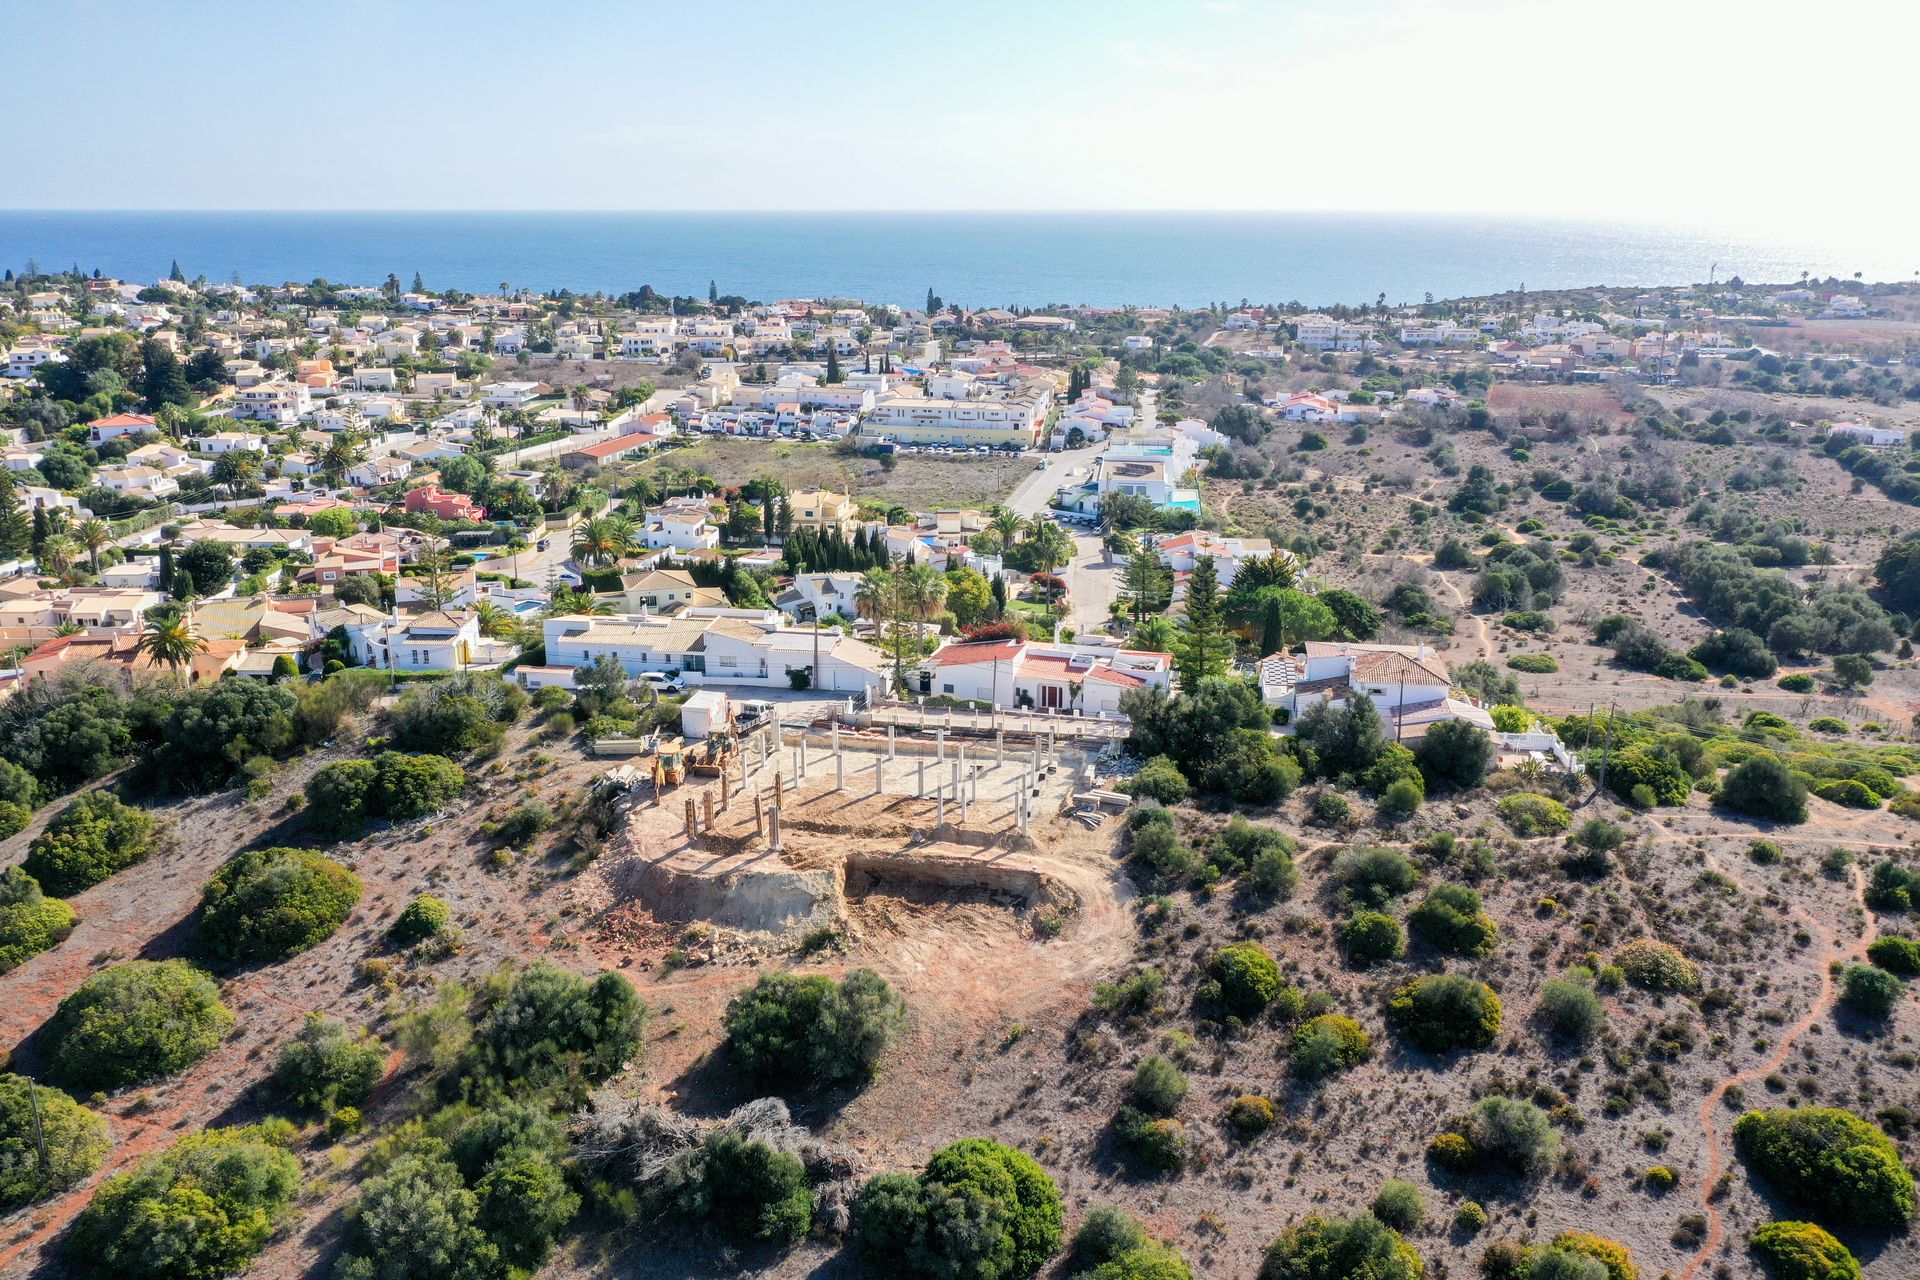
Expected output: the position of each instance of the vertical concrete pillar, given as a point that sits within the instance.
(726, 791)
(693, 820)
(773, 827)
(999, 746)
(973, 783)
(939, 807)
(879, 778)
(889, 742)
(779, 786)
(839, 771)
(939, 744)
(759, 815)
(920, 786)
(707, 816)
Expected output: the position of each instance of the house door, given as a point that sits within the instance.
(1050, 697)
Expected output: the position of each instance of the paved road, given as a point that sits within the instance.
(1091, 584)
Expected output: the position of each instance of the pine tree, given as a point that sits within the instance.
(16, 533)
(1143, 585)
(176, 274)
(419, 285)
(166, 381)
(1204, 648)
(930, 300)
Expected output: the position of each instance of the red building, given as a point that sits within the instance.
(448, 506)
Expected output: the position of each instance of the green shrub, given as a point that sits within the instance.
(1444, 1012)
(1511, 1132)
(812, 1029)
(1372, 875)
(1455, 755)
(73, 1138)
(1452, 1151)
(407, 786)
(463, 713)
(1827, 724)
(1370, 937)
(1658, 966)
(1160, 779)
(1528, 620)
(1870, 992)
(1135, 994)
(1248, 977)
(978, 1209)
(1571, 1010)
(30, 921)
(1798, 682)
(752, 1191)
(202, 1208)
(1329, 1043)
(1892, 887)
(135, 1021)
(1831, 1161)
(1803, 1251)
(416, 1219)
(13, 817)
(424, 917)
(1610, 1254)
(1764, 852)
(1262, 854)
(1331, 807)
(1895, 954)
(267, 904)
(1450, 919)
(1158, 849)
(1357, 1248)
(1111, 1246)
(339, 798)
(1158, 1143)
(1471, 1216)
(89, 840)
(1158, 1086)
(326, 1066)
(1846, 792)
(1660, 1179)
(1762, 787)
(523, 822)
(552, 1026)
(1530, 815)
(1398, 1205)
(1539, 664)
(1402, 799)
(1251, 1115)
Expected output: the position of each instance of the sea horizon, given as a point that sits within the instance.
(1026, 258)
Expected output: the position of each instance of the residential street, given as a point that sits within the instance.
(1091, 584)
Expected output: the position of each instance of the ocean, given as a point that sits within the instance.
(975, 259)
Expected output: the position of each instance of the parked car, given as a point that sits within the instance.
(663, 684)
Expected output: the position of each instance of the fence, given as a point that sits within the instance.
(913, 717)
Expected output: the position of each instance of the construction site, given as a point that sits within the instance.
(787, 831)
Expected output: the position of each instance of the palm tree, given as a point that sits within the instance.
(1007, 523)
(874, 598)
(495, 623)
(1051, 545)
(57, 554)
(170, 640)
(923, 589)
(95, 536)
(569, 601)
(603, 541)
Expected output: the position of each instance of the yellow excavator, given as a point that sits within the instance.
(714, 755)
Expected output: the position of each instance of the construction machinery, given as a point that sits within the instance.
(712, 756)
(671, 759)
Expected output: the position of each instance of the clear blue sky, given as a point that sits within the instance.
(1763, 112)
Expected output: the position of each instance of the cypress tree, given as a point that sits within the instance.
(180, 586)
(40, 530)
(1273, 628)
(833, 364)
(176, 274)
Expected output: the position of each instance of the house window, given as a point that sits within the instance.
(946, 688)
